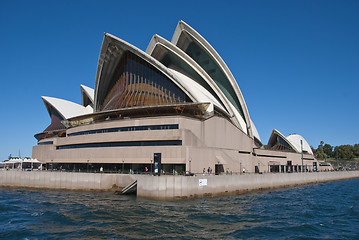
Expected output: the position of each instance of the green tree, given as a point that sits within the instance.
(314, 150)
(328, 150)
(320, 152)
(345, 151)
(356, 150)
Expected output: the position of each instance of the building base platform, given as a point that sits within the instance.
(167, 187)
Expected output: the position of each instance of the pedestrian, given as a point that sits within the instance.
(101, 169)
(244, 170)
(208, 170)
(204, 171)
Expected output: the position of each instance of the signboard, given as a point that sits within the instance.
(202, 182)
(157, 163)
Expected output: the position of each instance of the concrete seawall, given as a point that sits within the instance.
(64, 180)
(167, 187)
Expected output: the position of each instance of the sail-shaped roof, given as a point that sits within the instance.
(174, 58)
(295, 140)
(191, 42)
(87, 96)
(277, 141)
(65, 108)
(112, 51)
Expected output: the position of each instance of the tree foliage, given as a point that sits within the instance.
(347, 151)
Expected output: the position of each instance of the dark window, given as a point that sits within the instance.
(126, 129)
(46, 143)
(137, 83)
(123, 144)
(209, 65)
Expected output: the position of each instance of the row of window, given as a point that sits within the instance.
(126, 129)
(46, 143)
(123, 144)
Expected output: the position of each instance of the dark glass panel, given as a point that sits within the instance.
(206, 62)
(126, 86)
(56, 119)
(46, 143)
(126, 129)
(123, 144)
(172, 61)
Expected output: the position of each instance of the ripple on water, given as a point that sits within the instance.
(321, 211)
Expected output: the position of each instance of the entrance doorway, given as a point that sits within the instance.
(218, 169)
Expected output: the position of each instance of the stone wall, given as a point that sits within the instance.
(178, 187)
(167, 187)
(64, 180)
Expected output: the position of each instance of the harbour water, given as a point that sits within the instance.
(319, 211)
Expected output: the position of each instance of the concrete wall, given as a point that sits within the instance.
(166, 187)
(178, 187)
(63, 180)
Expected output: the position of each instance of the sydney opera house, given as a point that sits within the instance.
(173, 109)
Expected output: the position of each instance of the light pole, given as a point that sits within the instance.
(218, 170)
(190, 160)
(123, 165)
(259, 167)
(151, 165)
(301, 147)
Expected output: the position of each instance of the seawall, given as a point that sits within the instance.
(167, 187)
(64, 180)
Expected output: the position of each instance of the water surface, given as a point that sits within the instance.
(320, 211)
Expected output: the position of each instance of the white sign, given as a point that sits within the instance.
(202, 182)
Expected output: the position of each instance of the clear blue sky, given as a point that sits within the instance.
(296, 62)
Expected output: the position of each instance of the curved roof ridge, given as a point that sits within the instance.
(89, 92)
(182, 26)
(276, 132)
(255, 131)
(66, 109)
(200, 93)
(295, 140)
(158, 40)
(125, 46)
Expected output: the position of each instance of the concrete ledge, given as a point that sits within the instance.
(64, 180)
(181, 187)
(166, 187)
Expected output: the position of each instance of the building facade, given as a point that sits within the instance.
(173, 109)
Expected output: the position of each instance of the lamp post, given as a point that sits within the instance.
(151, 165)
(259, 167)
(301, 147)
(189, 164)
(218, 171)
(123, 165)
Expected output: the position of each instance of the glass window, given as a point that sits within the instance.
(125, 88)
(126, 129)
(123, 144)
(213, 70)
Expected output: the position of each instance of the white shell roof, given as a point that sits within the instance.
(90, 93)
(275, 132)
(122, 46)
(157, 40)
(66, 108)
(199, 92)
(295, 139)
(184, 27)
(255, 131)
